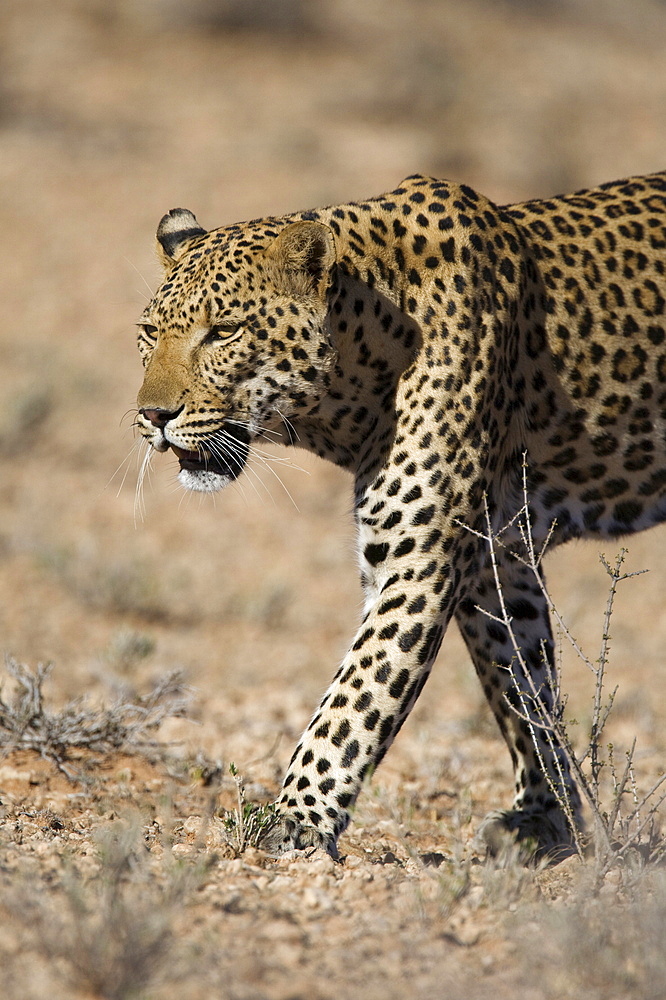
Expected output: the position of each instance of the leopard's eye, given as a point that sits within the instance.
(146, 340)
(220, 332)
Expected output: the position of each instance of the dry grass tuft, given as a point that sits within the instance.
(599, 945)
(110, 935)
(78, 728)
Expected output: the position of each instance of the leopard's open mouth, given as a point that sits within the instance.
(223, 455)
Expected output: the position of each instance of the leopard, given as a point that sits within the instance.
(464, 361)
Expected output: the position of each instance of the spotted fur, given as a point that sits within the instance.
(426, 340)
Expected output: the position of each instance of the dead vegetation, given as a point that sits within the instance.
(108, 933)
(623, 820)
(79, 731)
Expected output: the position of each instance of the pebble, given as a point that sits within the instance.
(183, 850)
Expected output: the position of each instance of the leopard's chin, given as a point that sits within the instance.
(210, 469)
(204, 480)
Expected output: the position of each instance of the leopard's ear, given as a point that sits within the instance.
(174, 233)
(303, 255)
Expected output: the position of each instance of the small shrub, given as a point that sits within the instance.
(624, 821)
(127, 649)
(246, 825)
(78, 728)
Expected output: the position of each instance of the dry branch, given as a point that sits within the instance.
(128, 725)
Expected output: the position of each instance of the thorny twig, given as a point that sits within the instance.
(615, 832)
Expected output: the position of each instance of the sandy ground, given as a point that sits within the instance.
(110, 114)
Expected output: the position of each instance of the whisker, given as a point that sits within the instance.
(128, 413)
(223, 451)
(150, 290)
(235, 448)
(265, 431)
(185, 495)
(291, 430)
(284, 487)
(139, 505)
(133, 452)
(262, 431)
(264, 456)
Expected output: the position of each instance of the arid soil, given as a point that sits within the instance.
(122, 884)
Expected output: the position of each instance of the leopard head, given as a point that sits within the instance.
(236, 340)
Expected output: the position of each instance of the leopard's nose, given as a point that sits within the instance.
(158, 417)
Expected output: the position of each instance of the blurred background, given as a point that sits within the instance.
(113, 112)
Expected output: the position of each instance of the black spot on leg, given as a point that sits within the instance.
(375, 554)
(409, 639)
(627, 511)
(522, 610)
(398, 685)
(417, 605)
(362, 639)
(386, 729)
(351, 753)
(341, 733)
(382, 673)
(535, 778)
(405, 547)
(424, 516)
(497, 632)
(362, 702)
(371, 720)
(391, 605)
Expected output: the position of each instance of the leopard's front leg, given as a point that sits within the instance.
(369, 699)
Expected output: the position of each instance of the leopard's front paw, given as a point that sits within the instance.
(287, 834)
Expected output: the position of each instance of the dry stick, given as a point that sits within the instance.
(619, 787)
(630, 837)
(534, 563)
(552, 729)
(552, 725)
(602, 829)
(249, 823)
(600, 715)
(241, 832)
(549, 727)
(634, 816)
